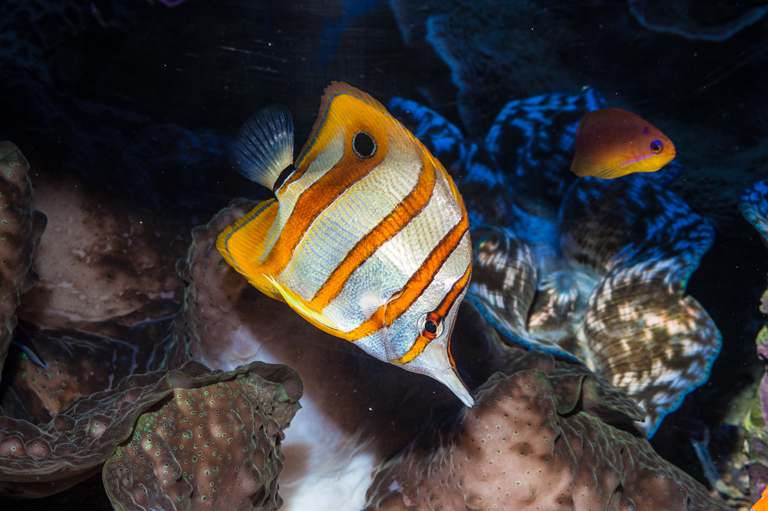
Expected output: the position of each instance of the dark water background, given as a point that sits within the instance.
(143, 109)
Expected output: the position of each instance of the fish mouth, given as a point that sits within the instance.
(434, 362)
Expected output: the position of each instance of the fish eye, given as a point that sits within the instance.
(364, 145)
(656, 146)
(430, 325)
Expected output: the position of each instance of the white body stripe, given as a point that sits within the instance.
(387, 271)
(346, 221)
(452, 270)
(288, 197)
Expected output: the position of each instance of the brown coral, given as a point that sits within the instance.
(521, 448)
(100, 261)
(20, 229)
(42, 460)
(77, 365)
(214, 447)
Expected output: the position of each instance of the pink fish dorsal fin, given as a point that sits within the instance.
(609, 114)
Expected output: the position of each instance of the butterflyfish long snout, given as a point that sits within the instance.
(611, 142)
(367, 237)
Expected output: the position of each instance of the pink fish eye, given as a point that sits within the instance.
(656, 146)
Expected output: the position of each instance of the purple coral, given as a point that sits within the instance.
(754, 207)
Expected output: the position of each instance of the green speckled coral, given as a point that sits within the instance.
(214, 447)
(42, 460)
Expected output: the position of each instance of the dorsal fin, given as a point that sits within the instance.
(264, 145)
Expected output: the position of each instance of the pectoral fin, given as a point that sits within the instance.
(264, 147)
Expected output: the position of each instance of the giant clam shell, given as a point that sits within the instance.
(588, 269)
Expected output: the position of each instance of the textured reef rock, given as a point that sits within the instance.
(211, 323)
(525, 447)
(347, 417)
(110, 280)
(212, 447)
(588, 268)
(20, 229)
(45, 459)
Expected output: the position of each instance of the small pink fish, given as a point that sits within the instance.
(612, 142)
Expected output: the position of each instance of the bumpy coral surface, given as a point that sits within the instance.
(20, 229)
(211, 447)
(587, 268)
(210, 318)
(45, 459)
(522, 447)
